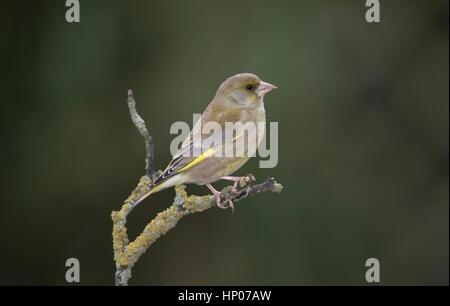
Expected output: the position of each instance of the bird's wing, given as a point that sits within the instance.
(189, 153)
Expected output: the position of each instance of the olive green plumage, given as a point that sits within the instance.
(237, 105)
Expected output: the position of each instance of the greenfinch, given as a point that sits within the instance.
(209, 153)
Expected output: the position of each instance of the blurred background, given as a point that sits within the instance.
(363, 112)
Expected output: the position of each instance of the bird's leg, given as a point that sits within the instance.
(235, 179)
(217, 195)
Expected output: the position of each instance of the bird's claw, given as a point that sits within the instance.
(219, 204)
(230, 203)
(247, 191)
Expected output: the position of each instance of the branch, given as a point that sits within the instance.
(140, 125)
(126, 254)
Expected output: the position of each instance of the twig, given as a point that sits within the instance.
(126, 254)
(140, 125)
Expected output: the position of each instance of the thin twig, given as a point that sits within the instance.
(140, 125)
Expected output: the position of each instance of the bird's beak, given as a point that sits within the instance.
(264, 88)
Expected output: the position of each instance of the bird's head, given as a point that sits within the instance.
(246, 89)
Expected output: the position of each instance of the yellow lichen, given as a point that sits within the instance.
(115, 216)
(278, 186)
(127, 253)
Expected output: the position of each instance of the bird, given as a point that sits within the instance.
(216, 146)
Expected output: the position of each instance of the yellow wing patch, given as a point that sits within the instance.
(202, 157)
(208, 153)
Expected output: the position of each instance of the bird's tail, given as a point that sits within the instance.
(156, 186)
(165, 180)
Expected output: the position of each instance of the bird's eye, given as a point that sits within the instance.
(249, 87)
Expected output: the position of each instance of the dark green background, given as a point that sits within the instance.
(363, 112)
